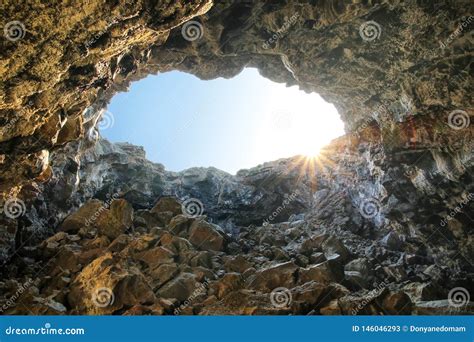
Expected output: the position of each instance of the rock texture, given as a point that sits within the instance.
(381, 223)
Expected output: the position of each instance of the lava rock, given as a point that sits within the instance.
(204, 235)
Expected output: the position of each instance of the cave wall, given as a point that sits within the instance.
(63, 63)
(402, 85)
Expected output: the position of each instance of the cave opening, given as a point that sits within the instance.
(231, 124)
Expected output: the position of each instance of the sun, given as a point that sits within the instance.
(309, 146)
(297, 124)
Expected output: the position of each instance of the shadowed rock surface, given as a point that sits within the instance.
(381, 223)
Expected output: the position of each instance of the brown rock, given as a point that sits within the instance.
(331, 309)
(308, 295)
(83, 217)
(397, 303)
(156, 256)
(180, 287)
(313, 244)
(420, 292)
(325, 272)
(244, 302)
(167, 204)
(203, 235)
(317, 258)
(332, 247)
(236, 264)
(161, 274)
(175, 243)
(180, 223)
(115, 221)
(228, 283)
(107, 285)
(109, 222)
(280, 275)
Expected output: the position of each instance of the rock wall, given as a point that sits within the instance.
(396, 190)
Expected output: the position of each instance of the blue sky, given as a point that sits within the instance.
(232, 124)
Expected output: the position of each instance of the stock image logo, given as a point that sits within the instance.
(107, 120)
(192, 30)
(192, 208)
(458, 119)
(370, 30)
(281, 297)
(103, 297)
(369, 207)
(14, 208)
(14, 30)
(458, 297)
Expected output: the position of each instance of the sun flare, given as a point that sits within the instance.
(297, 124)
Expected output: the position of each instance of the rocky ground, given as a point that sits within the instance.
(311, 249)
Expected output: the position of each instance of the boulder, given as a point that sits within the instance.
(392, 241)
(180, 223)
(317, 258)
(280, 275)
(174, 243)
(204, 235)
(110, 222)
(333, 247)
(313, 244)
(244, 302)
(106, 285)
(357, 272)
(167, 204)
(332, 308)
(419, 292)
(115, 221)
(326, 272)
(161, 274)
(180, 287)
(308, 295)
(397, 303)
(237, 264)
(156, 256)
(228, 283)
(83, 217)
(365, 303)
